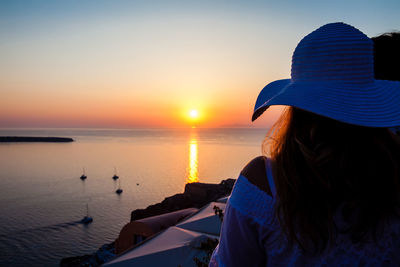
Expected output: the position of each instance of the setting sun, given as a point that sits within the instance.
(194, 117)
(193, 114)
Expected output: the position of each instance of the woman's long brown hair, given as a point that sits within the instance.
(321, 165)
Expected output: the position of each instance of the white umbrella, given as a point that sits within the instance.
(223, 199)
(205, 220)
(173, 247)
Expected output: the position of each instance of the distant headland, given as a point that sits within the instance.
(9, 139)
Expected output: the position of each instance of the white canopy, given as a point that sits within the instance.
(205, 220)
(173, 247)
(223, 199)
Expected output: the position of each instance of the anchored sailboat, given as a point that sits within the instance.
(83, 176)
(115, 177)
(87, 219)
(119, 190)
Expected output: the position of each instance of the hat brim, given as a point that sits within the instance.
(375, 104)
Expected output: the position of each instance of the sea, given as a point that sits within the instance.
(43, 199)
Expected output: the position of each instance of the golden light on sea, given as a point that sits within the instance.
(193, 172)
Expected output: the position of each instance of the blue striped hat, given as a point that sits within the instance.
(333, 76)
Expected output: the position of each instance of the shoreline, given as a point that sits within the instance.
(196, 195)
(35, 139)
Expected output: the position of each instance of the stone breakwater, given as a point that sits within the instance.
(196, 195)
(10, 139)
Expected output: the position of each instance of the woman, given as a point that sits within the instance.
(328, 194)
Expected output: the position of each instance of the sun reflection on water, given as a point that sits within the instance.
(193, 173)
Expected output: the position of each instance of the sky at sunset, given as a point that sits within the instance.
(125, 64)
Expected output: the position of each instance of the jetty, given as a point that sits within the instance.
(11, 139)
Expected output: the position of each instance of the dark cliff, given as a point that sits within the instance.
(196, 195)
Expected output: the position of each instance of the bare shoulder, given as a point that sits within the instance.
(255, 172)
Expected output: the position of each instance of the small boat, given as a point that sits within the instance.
(119, 190)
(115, 177)
(87, 219)
(83, 176)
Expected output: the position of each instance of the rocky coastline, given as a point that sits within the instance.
(196, 195)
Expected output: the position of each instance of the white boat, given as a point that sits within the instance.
(87, 219)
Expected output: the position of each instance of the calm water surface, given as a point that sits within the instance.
(42, 197)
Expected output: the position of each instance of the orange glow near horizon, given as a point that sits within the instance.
(129, 113)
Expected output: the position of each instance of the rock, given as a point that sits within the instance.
(102, 255)
(85, 260)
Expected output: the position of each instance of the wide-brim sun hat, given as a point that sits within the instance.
(333, 75)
